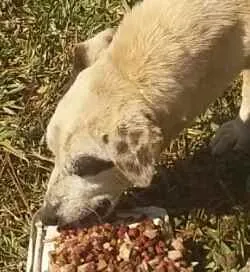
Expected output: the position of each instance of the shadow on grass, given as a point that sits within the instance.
(217, 185)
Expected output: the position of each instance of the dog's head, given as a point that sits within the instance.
(104, 139)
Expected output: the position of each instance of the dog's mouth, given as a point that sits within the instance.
(101, 212)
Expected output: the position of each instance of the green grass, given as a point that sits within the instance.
(205, 196)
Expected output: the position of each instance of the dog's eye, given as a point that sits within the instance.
(90, 166)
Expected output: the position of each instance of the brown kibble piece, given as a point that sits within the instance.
(174, 255)
(88, 267)
(68, 268)
(159, 250)
(125, 251)
(101, 265)
(90, 258)
(150, 233)
(162, 267)
(172, 268)
(133, 233)
(177, 244)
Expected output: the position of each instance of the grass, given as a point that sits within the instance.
(206, 197)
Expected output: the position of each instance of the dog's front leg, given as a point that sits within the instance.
(235, 134)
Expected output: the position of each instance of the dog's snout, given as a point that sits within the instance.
(48, 215)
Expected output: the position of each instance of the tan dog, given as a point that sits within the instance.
(166, 63)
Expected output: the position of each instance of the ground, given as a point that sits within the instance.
(206, 197)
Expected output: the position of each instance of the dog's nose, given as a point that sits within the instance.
(103, 207)
(47, 214)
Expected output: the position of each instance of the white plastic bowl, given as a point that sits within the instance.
(41, 237)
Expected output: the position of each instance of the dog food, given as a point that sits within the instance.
(141, 247)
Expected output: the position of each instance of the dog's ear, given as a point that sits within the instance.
(87, 52)
(136, 147)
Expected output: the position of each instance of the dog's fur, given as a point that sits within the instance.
(167, 61)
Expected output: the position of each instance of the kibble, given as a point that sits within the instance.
(107, 247)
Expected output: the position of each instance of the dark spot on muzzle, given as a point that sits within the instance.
(90, 166)
(121, 147)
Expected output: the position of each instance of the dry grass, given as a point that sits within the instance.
(200, 192)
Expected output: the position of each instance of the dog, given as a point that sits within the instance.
(134, 89)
